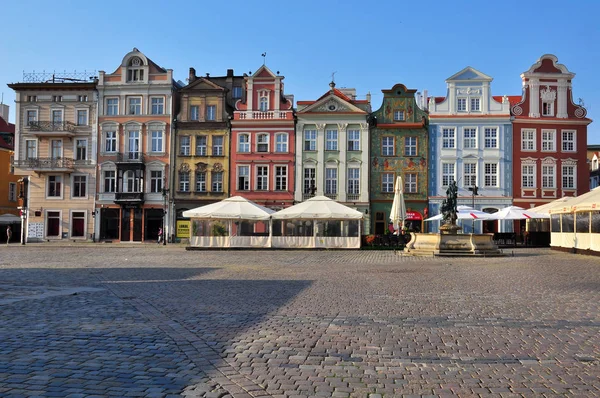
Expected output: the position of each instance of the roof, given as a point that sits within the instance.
(338, 94)
(512, 99)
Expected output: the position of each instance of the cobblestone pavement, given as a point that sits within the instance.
(153, 321)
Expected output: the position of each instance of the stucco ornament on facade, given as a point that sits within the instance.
(548, 94)
(217, 167)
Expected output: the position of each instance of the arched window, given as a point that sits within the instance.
(129, 182)
(264, 104)
(135, 70)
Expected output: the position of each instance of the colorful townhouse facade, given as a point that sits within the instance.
(550, 137)
(399, 145)
(55, 153)
(470, 135)
(263, 142)
(332, 149)
(8, 186)
(135, 105)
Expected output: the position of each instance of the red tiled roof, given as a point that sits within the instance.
(512, 99)
(437, 99)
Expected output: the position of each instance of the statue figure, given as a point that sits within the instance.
(449, 204)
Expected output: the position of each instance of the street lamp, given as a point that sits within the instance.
(165, 194)
(473, 190)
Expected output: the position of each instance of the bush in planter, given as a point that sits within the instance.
(218, 229)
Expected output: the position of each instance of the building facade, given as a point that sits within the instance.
(55, 147)
(262, 142)
(8, 186)
(470, 136)
(332, 149)
(550, 137)
(399, 147)
(135, 105)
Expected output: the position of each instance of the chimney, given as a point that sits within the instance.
(229, 72)
(424, 106)
(192, 76)
(369, 97)
(4, 112)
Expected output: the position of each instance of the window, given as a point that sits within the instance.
(262, 178)
(135, 106)
(353, 181)
(281, 178)
(309, 180)
(112, 106)
(244, 143)
(57, 98)
(310, 140)
(448, 138)
(201, 181)
(263, 103)
(548, 108)
(82, 119)
(184, 145)
(211, 112)
(156, 179)
(469, 138)
(82, 98)
(387, 146)
(81, 149)
(133, 144)
(79, 186)
(461, 104)
(78, 224)
(398, 116)
(53, 221)
(491, 137)
(528, 140)
(528, 176)
(475, 105)
(490, 174)
(12, 192)
(217, 181)
(201, 141)
(410, 146)
(548, 176)
(354, 140)
(31, 149)
(110, 139)
(217, 145)
(31, 117)
(237, 92)
(447, 173)
(194, 112)
(281, 143)
(331, 140)
(54, 186)
(156, 141)
(32, 98)
(243, 173)
(110, 181)
(568, 141)
(548, 140)
(387, 182)
(184, 181)
(130, 182)
(568, 177)
(330, 181)
(57, 116)
(56, 149)
(470, 174)
(158, 106)
(135, 74)
(262, 143)
(410, 183)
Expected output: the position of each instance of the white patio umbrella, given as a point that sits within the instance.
(398, 211)
(518, 213)
(467, 213)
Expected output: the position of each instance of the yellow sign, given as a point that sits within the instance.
(183, 229)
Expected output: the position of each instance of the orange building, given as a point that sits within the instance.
(8, 180)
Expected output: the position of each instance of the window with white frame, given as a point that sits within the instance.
(79, 188)
(194, 112)
(410, 182)
(528, 176)
(243, 174)
(387, 146)
(156, 181)
(353, 180)
(470, 174)
(112, 106)
(448, 137)
(490, 174)
(548, 140)
(54, 186)
(470, 138)
(244, 143)
(398, 116)
(548, 176)
(309, 180)
(82, 98)
(447, 173)
(133, 145)
(331, 140)
(110, 181)
(135, 106)
(56, 149)
(568, 177)
(135, 72)
(31, 149)
(57, 116)
(262, 143)
(82, 117)
(461, 104)
(57, 98)
(353, 140)
(263, 101)
(475, 105)
(184, 181)
(236, 92)
(281, 178)
(31, 116)
(110, 141)
(211, 112)
(410, 146)
(262, 178)
(217, 145)
(330, 181)
(78, 224)
(568, 141)
(201, 181)
(217, 181)
(81, 149)
(310, 140)
(548, 108)
(491, 137)
(528, 140)
(201, 145)
(32, 98)
(184, 145)
(281, 142)
(387, 182)
(157, 105)
(131, 182)
(12, 191)
(156, 141)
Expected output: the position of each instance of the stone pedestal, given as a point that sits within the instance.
(452, 244)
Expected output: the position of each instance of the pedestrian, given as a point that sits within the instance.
(160, 235)
(8, 234)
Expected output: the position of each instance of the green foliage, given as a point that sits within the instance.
(218, 229)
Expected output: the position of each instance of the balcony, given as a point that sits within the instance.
(45, 165)
(130, 157)
(352, 197)
(132, 198)
(54, 129)
(269, 115)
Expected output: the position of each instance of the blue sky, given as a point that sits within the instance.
(370, 45)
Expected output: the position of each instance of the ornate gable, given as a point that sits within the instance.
(202, 83)
(331, 103)
(469, 74)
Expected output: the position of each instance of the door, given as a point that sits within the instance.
(125, 225)
(153, 221)
(137, 224)
(379, 223)
(109, 225)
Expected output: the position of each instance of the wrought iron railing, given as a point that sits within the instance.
(129, 196)
(51, 126)
(45, 163)
(130, 157)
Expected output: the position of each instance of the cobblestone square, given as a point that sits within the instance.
(152, 321)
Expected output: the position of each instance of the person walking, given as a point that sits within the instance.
(160, 235)
(8, 234)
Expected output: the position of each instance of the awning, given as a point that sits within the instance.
(413, 215)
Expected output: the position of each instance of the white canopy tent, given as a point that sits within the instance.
(518, 213)
(318, 222)
(232, 222)
(575, 223)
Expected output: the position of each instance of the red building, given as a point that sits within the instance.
(263, 142)
(550, 137)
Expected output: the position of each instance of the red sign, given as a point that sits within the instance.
(413, 215)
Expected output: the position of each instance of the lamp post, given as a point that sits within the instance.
(473, 190)
(165, 194)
